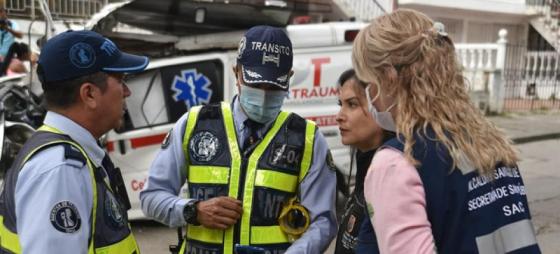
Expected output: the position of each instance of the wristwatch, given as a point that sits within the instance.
(189, 212)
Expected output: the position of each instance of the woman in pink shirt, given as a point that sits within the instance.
(449, 182)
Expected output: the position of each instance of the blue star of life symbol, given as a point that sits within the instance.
(192, 88)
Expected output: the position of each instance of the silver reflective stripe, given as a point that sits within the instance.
(507, 238)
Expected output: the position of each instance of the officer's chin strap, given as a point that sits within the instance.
(294, 219)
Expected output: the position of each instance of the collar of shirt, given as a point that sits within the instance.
(77, 133)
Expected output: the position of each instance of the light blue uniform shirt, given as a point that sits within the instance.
(7, 38)
(167, 174)
(47, 179)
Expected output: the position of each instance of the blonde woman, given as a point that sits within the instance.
(449, 183)
(359, 131)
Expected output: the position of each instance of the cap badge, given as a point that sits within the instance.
(82, 55)
(271, 58)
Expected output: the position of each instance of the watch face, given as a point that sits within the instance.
(189, 212)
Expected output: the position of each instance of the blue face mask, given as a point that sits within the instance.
(261, 105)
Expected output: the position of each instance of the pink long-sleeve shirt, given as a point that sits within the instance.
(395, 194)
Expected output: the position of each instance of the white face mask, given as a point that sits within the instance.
(261, 105)
(384, 119)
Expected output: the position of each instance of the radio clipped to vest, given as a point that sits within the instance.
(294, 219)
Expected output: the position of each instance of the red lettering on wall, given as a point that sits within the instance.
(328, 120)
(317, 62)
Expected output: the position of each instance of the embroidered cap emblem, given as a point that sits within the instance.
(204, 146)
(82, 55)
(65, 217)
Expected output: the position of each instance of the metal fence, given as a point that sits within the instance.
(505, 77)
(531, 79)
(60, 9)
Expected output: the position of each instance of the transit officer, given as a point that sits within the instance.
(258, 178)
(63, 193)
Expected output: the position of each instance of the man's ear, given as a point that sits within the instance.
(88, 95)
(290, 74)
(236, 70)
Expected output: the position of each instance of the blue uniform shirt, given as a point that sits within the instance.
(167, 175)
(48, 179)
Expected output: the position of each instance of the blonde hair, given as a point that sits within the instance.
(418, 67)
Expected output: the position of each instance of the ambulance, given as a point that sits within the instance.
(170, 86)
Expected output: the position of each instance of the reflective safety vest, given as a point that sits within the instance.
(263, 178)
(470, 213)
(111, 231)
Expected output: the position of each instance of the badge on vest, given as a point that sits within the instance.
(112, 211)
(65, 217)
(204, 146)
(285, 156)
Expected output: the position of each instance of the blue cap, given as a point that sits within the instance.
(265, 56)
(74, 54)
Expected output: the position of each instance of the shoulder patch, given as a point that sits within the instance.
(65, 217)
(166, 140)
(330, 161)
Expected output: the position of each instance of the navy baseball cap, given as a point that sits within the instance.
(265, 56)
(74, 54)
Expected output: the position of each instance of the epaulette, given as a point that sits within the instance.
(73, 153)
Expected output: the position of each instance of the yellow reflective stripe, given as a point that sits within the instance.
(50, 129)
(206, 235)
(208, 174)
(91, 167)
(8, 239)
(235, 168)
(250, 177)
(268, 235)
(191, 122)
(127, 245)
(308, 150)
(183, 247)
(276, 180)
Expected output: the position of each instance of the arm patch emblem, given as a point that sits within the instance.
(330, 161)
(65, 217)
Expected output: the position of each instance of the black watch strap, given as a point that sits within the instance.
(190, 212)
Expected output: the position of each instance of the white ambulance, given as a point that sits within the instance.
(170, 86)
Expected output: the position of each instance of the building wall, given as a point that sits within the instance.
(468, 26)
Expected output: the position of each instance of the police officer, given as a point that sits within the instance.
(246, 161)
(63, 194)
